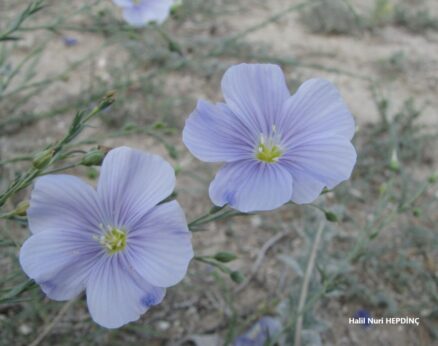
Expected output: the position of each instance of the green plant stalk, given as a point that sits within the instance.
(259, 26)
(33, 8)
(79, 122)
(352, 256)
(16, 291)
(171, 43)
(220, 266)
(215, 215)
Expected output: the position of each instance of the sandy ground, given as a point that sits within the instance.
(364, 55)
(359, 55)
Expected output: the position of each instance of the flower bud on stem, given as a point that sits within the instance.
(95, 156)
(234, 275)
(224, 257)
(54, 152)
(43, 158)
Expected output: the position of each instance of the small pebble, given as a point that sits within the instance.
(163, 325)
(256, 221)
(25, 329)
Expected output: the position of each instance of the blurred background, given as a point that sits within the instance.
(378, 254)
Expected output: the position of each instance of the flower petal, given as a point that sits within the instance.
(256, 93)
(117, 295)
(147, 11)
(135, 16)
(214, 134)
(251, 186)
(159, 246)
(316, 108)
(59, 261)
(123, 3)
(305, 187)
(63, 202)
(157, 10)
(329, 160)
(131, 183)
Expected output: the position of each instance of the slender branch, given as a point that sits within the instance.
(264, 249)
(223, 268)
(172, 44)
(208, 217)
(54, 322)
(55, 151)
(305, 287)
(61, 169)
(31, 9)
(297, 7)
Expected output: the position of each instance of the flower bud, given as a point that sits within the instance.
(95, 156)
(237, 277)
(42, 159)
(330, 216)
(21, 209)
(433, 178)
(107, 100)
(175, 7)
(225, 257)
(416, 212)
(394, 164)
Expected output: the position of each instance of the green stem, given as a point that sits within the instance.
(61, 169)
(218, 265)
(215, 214)
(29, 11)
(305, 286)
(17, 159)
(256, 27)
(202, 217)
(76, 127)
(172, 44)
(16, 291)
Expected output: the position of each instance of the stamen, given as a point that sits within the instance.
(269, 150)
(114, 239)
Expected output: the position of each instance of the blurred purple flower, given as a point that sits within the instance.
(116, 242)
(266, 329)
(362, 313)
(70, 41)
(141, 12)
(276, 147)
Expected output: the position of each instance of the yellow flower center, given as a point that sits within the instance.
(268, 154)
(268, 150)
(114, 240)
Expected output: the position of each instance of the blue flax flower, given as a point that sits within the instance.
(114, 242)
(265, 330)
(365, 315)
(276, 147)
(141, 12)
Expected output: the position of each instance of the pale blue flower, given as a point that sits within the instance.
(70, 41)
(116, 242)
(364, 315)
(263, 332)
(276, 147)
(141, 12)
